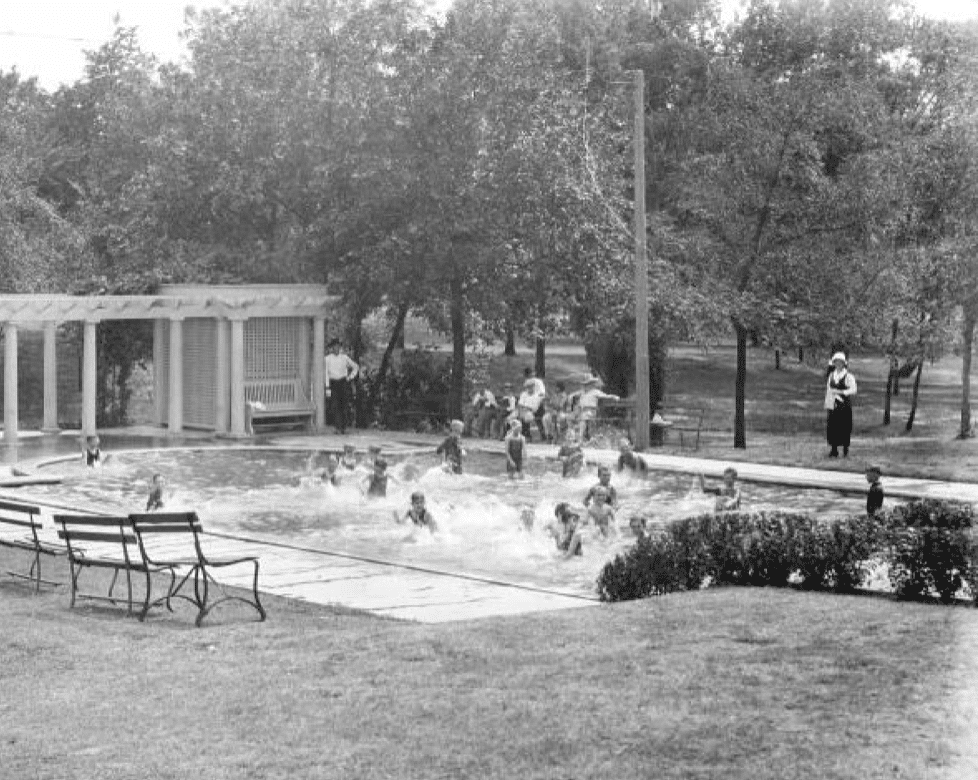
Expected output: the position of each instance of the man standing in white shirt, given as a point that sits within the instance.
(339, 370)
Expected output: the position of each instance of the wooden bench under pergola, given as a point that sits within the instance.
(215, 348)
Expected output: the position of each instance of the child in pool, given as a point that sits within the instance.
(330, 474)
(91, 452)
(602, 512)
(874, 497)
(155, 499)
(565, 530)
(373, 452)
(377, 482)
(349, 460)
(639, 525)
(527, 518)
(451, 449)
(628, 459)
(604, 482)
(515, 450)
(571, 455)
(418, 514)
(727, 495)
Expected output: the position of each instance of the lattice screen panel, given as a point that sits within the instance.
(270, 348)
(199, 372)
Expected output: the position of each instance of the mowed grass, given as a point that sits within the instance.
(739, 684)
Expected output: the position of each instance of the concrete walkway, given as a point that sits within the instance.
(407, 592)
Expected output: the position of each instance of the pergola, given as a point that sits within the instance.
(225, 310)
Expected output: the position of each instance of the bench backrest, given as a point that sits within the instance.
(167, 535)
(277, 394)
(21, 515)
(95, 535)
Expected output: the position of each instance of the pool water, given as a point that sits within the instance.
(277, 495)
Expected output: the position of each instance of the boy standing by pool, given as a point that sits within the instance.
(340, 370)
(451, 449)
(515, 450)
(874, 498)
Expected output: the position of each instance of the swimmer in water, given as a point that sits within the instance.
(330, 473)
(527, 518)
(418, 514)
(571, 455)
(601, 511)
(565, 529)
(451, 449)
(376, 483)
(349, 459)
(91, 452)
(604, 481)
(155, 499)
(515, 450)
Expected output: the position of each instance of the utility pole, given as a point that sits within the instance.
(641, 274)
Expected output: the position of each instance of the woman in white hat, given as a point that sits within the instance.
(839, 390)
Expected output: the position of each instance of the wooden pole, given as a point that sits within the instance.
(641, 275)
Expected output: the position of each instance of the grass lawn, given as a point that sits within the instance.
(739, 684)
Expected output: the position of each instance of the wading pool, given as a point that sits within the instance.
(275, 495)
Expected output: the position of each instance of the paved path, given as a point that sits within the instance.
(426, 595)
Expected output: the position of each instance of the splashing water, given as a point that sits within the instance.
(488, 525)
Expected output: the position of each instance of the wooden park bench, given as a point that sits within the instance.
(274, 401)
(171, 540)
(101, 542)
(19, 527)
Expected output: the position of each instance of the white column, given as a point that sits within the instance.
(159, 378)
(89, 379)
(222, 391)
(175, 386)
(10, 382)
(318, 372)
(237, 378)
(50, 424)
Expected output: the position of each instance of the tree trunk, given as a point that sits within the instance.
(397, 337)
(801, 354)
(740, 426)
(777, 360)
(967, 338)
(916, 392)
(540, 359)
(457, 391)
(890, 377)
(359, 396)
(510, 349)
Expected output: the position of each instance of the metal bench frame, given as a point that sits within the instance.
(27, 516)
(196, 568)
(114, 532)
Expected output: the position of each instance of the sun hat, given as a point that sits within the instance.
(839, 356)
(590, 379)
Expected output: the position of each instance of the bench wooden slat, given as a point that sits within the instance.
(27, 516)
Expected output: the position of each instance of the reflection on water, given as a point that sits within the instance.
(277, 495)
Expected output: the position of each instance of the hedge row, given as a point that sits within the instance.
(927, 547)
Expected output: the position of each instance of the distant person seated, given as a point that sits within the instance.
(91, 452)
(565, 530)
(418, 514)
(728, 494)
(627, 459)
(556, 407)
(479, 414)
(451, 449)
(155, 499)
(604, 484)
(874, 497)
(571, 455)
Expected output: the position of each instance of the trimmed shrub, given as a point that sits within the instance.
(930, 548)
(650, 568)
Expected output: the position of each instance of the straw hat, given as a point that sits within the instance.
(839, 356)
(590, 380)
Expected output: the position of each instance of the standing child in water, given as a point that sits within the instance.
(376, 483)
(451, 449)
(155, 499)
(627, 459)
(91, 452)
(604, 483)
(515, 450)
(728, 495)
(418, 514)
(601, 511)
(571, 455)
(330, 474)
(349, 459)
